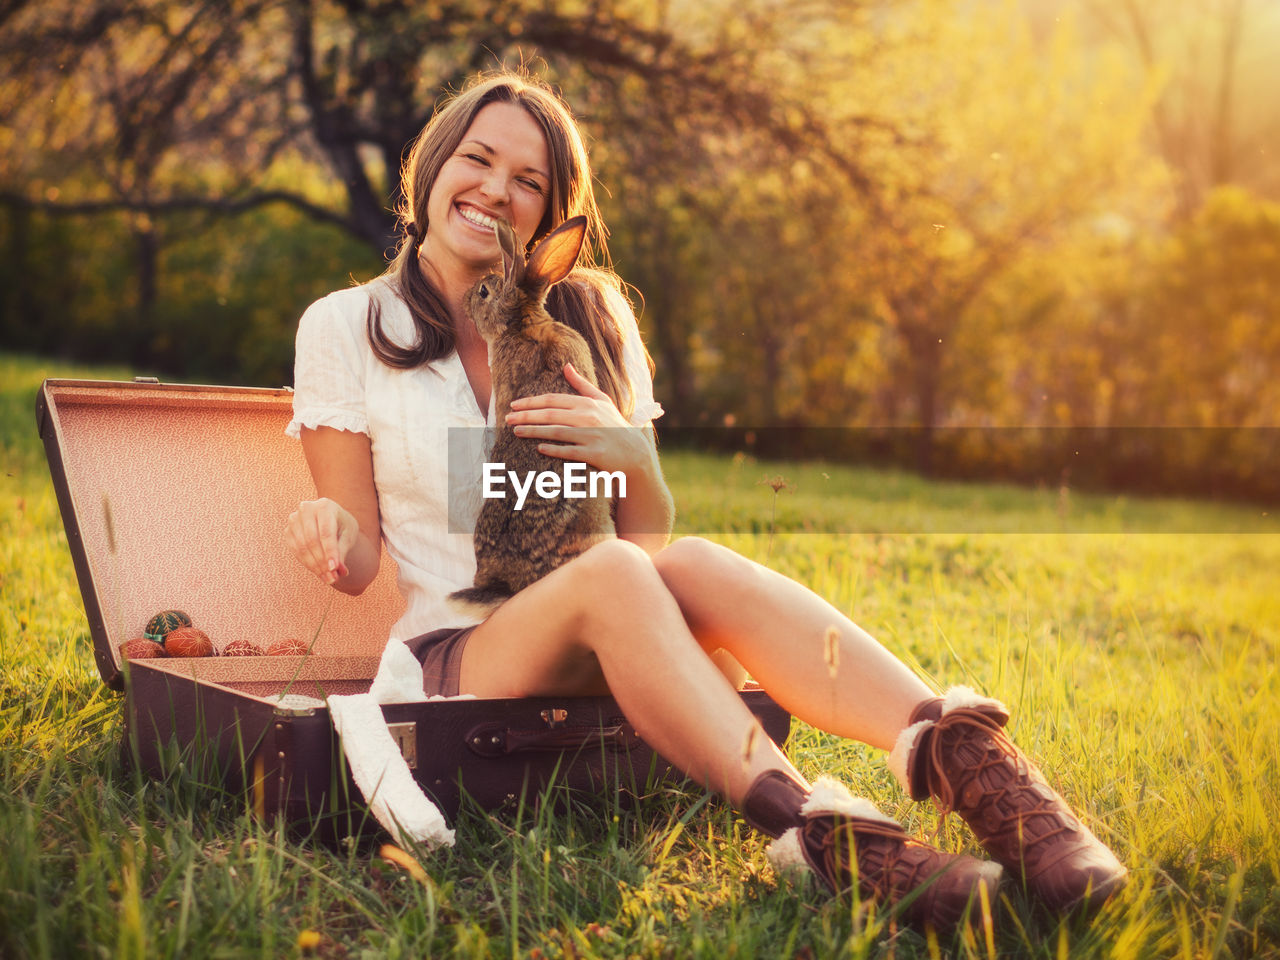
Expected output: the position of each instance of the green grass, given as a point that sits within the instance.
(1141, 668)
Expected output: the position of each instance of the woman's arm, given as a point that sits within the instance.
(647, 512)
(337, 536)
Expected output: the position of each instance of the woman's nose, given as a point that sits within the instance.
(494, 187)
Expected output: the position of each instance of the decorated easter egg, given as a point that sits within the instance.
(164, 621)
(288, 647)
(188, 642)
(242, 648)
(140, 648)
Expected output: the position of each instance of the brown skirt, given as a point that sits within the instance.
(440, 653)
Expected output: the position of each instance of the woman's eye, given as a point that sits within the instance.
(532, 185)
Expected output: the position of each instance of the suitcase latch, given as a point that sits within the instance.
(406, 737)
(554, 716)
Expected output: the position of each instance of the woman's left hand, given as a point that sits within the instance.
(585, 427)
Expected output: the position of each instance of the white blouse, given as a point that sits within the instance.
(407, 414)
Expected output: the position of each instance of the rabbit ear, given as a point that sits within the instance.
(558, 252)
(512, 258)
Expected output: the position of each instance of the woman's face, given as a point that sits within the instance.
(500, 170)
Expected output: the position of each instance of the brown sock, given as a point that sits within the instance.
(772, 804)
(930, 709)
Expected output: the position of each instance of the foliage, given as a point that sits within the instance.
(1211, 315)
(1140, 670)
(226, 303)
(232, 86)
(1172, 329)
(1209, 61)
(912, 214)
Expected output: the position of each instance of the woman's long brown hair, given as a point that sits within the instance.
(579, 300)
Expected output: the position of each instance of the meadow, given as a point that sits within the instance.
(1136, 643)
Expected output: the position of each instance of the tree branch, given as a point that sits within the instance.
(227, 206)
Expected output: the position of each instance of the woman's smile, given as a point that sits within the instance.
(473, 215)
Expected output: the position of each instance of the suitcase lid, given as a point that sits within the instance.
(176, 496)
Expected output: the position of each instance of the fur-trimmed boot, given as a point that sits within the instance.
(847, 842)
(955, 750)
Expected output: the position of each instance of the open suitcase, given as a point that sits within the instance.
(175, 496)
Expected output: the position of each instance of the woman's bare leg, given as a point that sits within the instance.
(605, 622)
(778, 629)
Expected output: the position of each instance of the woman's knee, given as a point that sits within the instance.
(595, 584)
(691, 559)
(578, 615)
(617, 580)
(615, 562)
(578, 591)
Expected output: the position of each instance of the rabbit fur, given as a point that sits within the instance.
(527, 353)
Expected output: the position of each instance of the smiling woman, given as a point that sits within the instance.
(385, 370)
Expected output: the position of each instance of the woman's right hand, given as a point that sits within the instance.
(321, 534)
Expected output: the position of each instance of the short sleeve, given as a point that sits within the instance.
(633, 361)
(329, 365)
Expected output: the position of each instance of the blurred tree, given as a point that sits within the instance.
(168, 106)
(1024, 143)
(1212, 311)
(1216, 115)
(909, 213)
(138, 89)
(106, 106)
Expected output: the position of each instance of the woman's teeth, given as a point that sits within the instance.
(478, 218)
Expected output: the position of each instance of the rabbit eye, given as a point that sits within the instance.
(483, 291)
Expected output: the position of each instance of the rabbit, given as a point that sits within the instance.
(527, 353)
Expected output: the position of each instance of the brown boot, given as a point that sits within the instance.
(955, 750)
(847, 842)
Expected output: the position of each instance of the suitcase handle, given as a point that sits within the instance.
(498, 740)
